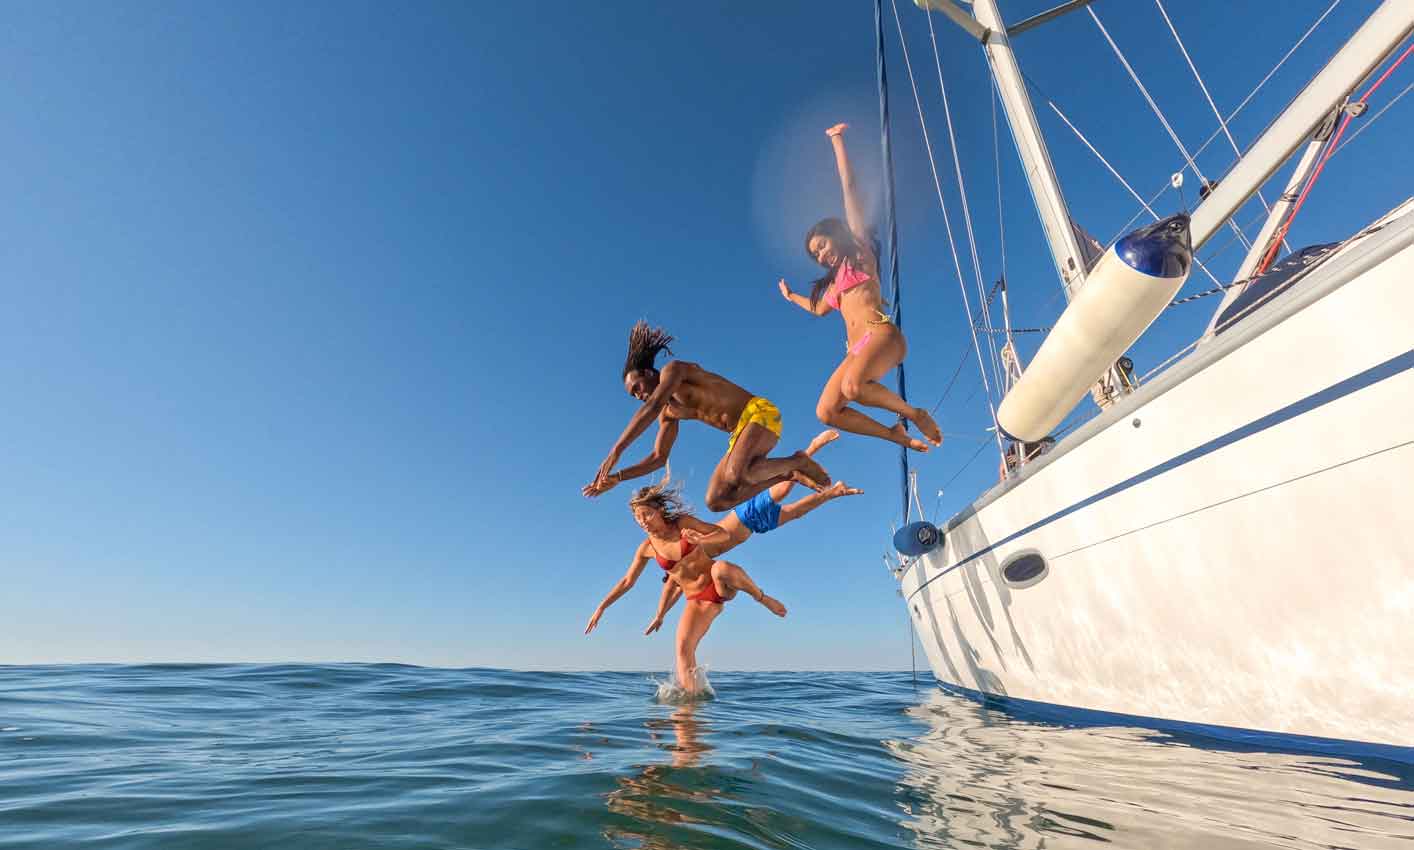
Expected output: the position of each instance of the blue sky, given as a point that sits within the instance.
(314, 314)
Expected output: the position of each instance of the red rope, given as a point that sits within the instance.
(1330, 150)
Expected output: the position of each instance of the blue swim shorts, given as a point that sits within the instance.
(761, 513)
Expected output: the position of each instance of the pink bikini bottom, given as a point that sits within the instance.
(864, 340)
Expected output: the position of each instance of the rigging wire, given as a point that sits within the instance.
(962, 354)
(1133, 75)
(1014, 361)
(1331, 148)
(1240, 106)
(965, 466)
(997, 165)
(1222, 125)
(1373, 118)
(942, 205)
(1158, 113)
(966, 206)
(1125, 183)
(1223, 130)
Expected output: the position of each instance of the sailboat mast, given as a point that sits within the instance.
(1031, 147)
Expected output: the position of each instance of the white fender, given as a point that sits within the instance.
(1126, 290)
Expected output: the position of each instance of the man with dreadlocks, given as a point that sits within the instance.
(683, 390)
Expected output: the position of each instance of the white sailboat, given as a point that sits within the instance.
(1228, 545)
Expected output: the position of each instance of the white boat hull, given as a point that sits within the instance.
(1230, 546)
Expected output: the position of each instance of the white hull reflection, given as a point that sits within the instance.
(981, 778)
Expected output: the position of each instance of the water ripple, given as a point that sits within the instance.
(392, 756)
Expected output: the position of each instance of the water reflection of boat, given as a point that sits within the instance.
(982, 777)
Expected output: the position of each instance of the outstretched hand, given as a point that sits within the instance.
(603, 482)
(785, 289)
(695, 537)
(837, 130)
(598, 487)
(654, 626)
(594, 620)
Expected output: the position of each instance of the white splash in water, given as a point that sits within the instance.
(670, 692)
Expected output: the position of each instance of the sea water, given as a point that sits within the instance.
(388, 756)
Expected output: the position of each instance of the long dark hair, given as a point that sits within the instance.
(849, 248)
(644, 343)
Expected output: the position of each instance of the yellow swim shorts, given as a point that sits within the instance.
(763, 413)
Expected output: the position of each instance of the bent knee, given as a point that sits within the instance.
(718, 502)
(850, 387)
(718, 497)
(828, 412)
(734, 473)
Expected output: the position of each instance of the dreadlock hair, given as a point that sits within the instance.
(644, 343)
(850, 248)
(664, 497)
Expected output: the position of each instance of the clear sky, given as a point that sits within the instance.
(314, 313)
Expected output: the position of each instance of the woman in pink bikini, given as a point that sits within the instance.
(678, 541)
(874, 344)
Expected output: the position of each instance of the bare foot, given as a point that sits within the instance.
(900, 432)
(773, 605)
(816, 478)
(800, 479)
(839, 488)
(822, 439)
(925, 423)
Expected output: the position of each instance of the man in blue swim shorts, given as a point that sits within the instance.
(764, 511)
(757, 515)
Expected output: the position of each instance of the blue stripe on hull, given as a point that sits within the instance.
(1373, 375)
(1233, 736)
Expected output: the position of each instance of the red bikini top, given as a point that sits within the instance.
(664, 562)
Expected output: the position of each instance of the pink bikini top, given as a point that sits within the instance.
(846, 278)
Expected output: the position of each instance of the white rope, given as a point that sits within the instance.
(966, 208)
(947, 222)
(1122, 181)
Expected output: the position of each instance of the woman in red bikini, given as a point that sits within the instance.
(678, 542)
(874, 344)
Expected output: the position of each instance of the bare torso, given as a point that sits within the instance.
(692, 573)
(707, 397)
(861, 308)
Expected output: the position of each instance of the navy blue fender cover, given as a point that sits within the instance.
(917, 538)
